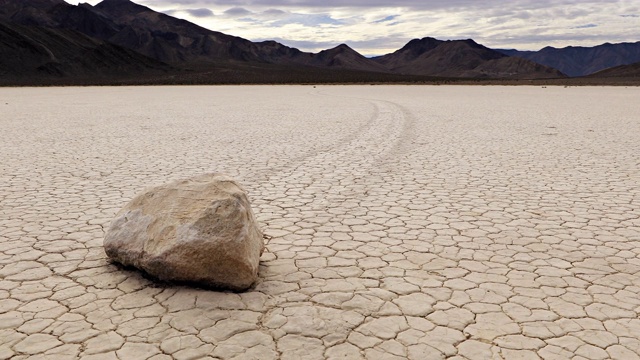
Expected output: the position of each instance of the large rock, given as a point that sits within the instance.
(200, 230)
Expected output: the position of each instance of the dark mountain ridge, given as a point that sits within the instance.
(35, 51)
(622, 71)
(581, 61)
(464, 58)
(124, 24)
(344, 57)
(168, 39)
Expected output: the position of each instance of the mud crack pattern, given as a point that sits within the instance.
(404, 222)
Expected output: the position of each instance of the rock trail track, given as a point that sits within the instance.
(402, 222)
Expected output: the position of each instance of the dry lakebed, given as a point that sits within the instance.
(401, 222)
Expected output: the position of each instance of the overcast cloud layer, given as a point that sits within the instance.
(377, 27)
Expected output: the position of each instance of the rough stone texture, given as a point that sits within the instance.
(402, 222)
(199, 230)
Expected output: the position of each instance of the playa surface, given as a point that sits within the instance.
(404, 222)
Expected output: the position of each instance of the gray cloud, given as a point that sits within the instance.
(586, 26)
(307, 20)
(199, 13)
(274, 12)
(279, 18)
(386, 19)
(237, 11)
(374, 4)
(378, 26)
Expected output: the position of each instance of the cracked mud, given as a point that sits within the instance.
(403, 222)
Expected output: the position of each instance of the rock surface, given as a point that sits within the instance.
(199, 230)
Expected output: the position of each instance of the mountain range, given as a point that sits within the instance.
(581, 61)
(119, 38)
(460, 58)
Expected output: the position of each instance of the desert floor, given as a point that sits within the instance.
(419, 222)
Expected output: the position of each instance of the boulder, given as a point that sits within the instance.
(199, 230)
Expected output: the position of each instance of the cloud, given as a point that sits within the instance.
(237, 11)
(587, 26)
(274, 12)
(386, 19)
(309, 20)
(199, 13)
(419, 5)
(379, 26)
(275, 18)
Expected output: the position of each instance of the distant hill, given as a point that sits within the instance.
(344, 57)
(622, 71)
(581, 61)
(460, 58)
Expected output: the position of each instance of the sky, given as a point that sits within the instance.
(378, 27)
